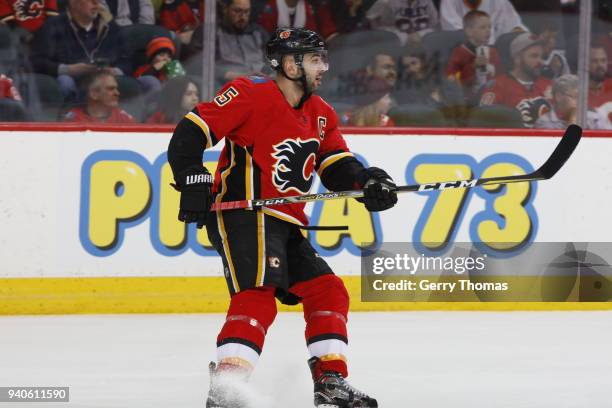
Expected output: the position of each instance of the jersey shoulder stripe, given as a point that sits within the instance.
(208, 134)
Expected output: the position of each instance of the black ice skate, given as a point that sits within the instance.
(331, 390)
(223, 391)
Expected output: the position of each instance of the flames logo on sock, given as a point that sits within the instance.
(295, 161)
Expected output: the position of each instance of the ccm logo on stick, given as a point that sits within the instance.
(270, 202)
(450, 184)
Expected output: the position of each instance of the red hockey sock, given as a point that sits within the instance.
(326, 303)
(250, 314)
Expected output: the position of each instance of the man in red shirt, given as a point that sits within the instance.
(102, 104)
(523, 88)
(299, 13)
(277, 134)
(600, 86)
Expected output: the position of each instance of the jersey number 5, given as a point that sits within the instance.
(226, 97)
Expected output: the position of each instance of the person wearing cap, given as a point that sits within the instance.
(160, 67)
(160, 53)
(523, 88)
(565, 107)
(372, 105)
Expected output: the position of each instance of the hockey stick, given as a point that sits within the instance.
(557, 159)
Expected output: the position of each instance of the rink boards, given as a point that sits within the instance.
(89, 219)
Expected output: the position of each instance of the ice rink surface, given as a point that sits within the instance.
(407, 359)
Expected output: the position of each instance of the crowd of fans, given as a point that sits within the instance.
(491, 63)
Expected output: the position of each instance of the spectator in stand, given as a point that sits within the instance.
(474, 63)
(504, 17)
(240, 44)
(128, 12)
(600, 86)
(564, 107)
(178, 97)
(27, 14)
(182, 17)
(419, 84)
(410, 20)
(102, 104)
(77, 43)
(373, 104)
(350, 15)
(11, 105)
(523, 88)
(162, 65)
(381, 66)
(299, 13)
(555, 64)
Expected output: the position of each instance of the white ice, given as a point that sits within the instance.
(408, 359)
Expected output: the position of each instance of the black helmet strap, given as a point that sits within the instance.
(299, 58)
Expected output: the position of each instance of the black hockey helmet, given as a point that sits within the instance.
(292, 41)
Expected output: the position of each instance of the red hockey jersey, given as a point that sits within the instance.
(462, 64)
(80, 115)
(271, 149)
(600, 96)
(7, 89)
(28, 14)
(317, 17)
(179, 15)
(531, 101)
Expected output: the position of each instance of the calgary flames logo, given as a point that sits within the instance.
(531, 109)
(295, 161)
(28, 9)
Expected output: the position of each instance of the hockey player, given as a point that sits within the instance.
(277, 133)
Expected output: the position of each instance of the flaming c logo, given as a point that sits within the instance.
(295, 161)
(28, 9)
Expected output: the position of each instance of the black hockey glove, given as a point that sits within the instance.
(194, 184)
(378, 194)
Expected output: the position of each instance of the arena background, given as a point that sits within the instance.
(89, 219)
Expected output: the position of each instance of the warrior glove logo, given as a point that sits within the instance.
(295, 161)
(199, 179)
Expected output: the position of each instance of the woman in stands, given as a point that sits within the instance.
(420, 83)
(178, 97)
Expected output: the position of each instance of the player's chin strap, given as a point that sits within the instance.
(302, 79)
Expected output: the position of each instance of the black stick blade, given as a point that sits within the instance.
(562, 152)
